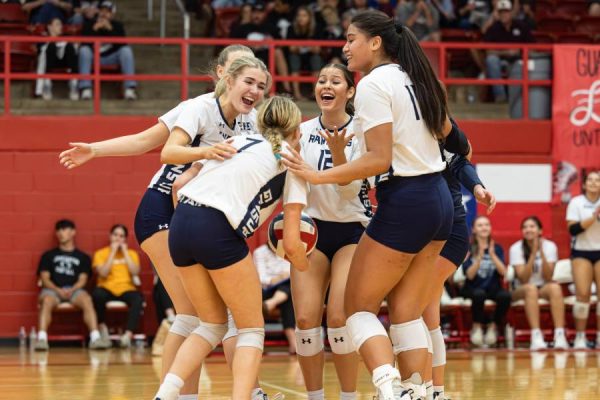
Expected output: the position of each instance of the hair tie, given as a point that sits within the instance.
(277, 156)
(399, 27)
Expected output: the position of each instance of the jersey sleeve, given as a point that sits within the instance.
(295, 190)
(550, 251)
(45, 263)
(170, 116)
(191, 120)
(373, 104)
(573, 211)
(99, 259)
(516, 256)
(86, 264)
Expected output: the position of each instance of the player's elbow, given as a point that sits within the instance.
(167, 156)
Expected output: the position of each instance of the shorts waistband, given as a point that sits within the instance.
(191, 202)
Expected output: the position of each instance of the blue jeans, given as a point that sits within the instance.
(493, 70)
(123, 57)
(47, 13)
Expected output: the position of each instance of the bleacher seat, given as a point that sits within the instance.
(570, 8)
(22, 56)
(224, 19)
(588, 25)
(12, 13)
(543, 37)
(555, 24)
(573, 37)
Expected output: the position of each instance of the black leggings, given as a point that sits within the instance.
(478, 298)
(162, 301)
(133, 298)
(288, 318)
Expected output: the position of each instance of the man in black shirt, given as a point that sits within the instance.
(64, 272)
(503, 29)
(110, 53)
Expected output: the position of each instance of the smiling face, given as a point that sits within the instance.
(247, 89)
(482, 228)
(118, 235)
(332, 90)
(360, 50)
(592, 184)
(530, 229)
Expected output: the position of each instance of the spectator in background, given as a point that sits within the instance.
(56, 55)
(117, 265)
(446, 10)
(64, 272)
(110, 54)
(594, 8)
(333, 31)
(502, 28)
(165, 315)
(358, 6)
(472, 14)
(523, 11)
(485, 269)
(303, 57)
(44, 11)
(86, 11)
(226, 3)
(533, 259)
(274, 274)
(244, 18)
(421, 17)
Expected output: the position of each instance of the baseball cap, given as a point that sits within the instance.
(107, 4)
(258, 6)
(64, 224)
(504, 5)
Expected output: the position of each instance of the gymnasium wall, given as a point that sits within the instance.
(37, 191)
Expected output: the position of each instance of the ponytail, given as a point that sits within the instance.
(278, 118)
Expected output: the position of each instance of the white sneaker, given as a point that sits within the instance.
(73, 94)
(560, 341)
(491, 337)
(598, 336)
(130, 94)
(477, 337)
(580, 342)
(47, 90)
(537, 341)
(86, 94)
(167, 394)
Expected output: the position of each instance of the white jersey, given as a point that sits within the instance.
(246, 187)
(517, 257)
(332, 202)
(201, 118)
(386, 95)
(581, 208)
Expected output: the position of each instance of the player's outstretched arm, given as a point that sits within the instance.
(292, 243)
(129, 145)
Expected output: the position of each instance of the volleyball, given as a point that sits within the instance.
(308, 234)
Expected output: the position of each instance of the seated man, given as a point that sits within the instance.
(110, 54)
(64, 272)
(44, 11)
(274, 274)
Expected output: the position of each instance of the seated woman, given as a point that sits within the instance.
(533, 258)
(117, 266)
(485, 270)
(274, 274)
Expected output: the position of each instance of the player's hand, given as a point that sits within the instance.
(485, 197)
(115, 246)
(492, 247)
(124, 247)
(336, 141)
(596, 213)
(296, 164)
(77, 155)
(220, 151)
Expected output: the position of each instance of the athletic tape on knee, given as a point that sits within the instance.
(581, 310)
(231, 328)
(428, 336)
(184, 325)
(439, 347)
(408, 336)
(251, 337)
(309, 342)
(362, 326)
(340, 341)
(212, 333)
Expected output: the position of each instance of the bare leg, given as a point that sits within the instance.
(83, 301)
(552, 292)
(47, 304)
(583, 275)
(532, 308)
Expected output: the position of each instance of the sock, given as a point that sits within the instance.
(382, 379)
(188, 397)
(316, 395)
(577, 336)
(429, 390)
(42, 335)
(173, 380)
(256, 392)
(94, 335)
(439, 390)
(347, 395)
(535, 332)
(170, 387)
(559, 331)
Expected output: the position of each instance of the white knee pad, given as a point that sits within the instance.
(212, 333)
(362, 326)
(439, 347)
(340, 341)
(309, 342)
(429, 343)
(231, 328)
(184, 325)
(251, 337)
(581, 310)
(410, 335)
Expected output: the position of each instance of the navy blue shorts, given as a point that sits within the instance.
(411, 212)
(335, 235)
(153, 214)
(203, 235)
(592, 256)
(456, 248)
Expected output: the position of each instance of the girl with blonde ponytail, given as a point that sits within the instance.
(207, 240)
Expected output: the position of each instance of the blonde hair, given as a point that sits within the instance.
(236, 68)
(277, 119)
(223, 57)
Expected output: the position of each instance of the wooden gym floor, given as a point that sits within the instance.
(74, 373)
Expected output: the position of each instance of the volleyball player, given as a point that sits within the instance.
(583, 219)
(207, 240)
(341, 213)
(401, 113)
(155, 210)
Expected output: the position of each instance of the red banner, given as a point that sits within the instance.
(575, 117)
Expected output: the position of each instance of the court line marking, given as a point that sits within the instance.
(283, 389)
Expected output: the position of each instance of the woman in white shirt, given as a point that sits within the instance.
(583, 219)
(534, 258)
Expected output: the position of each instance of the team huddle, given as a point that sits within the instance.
(226, 168)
